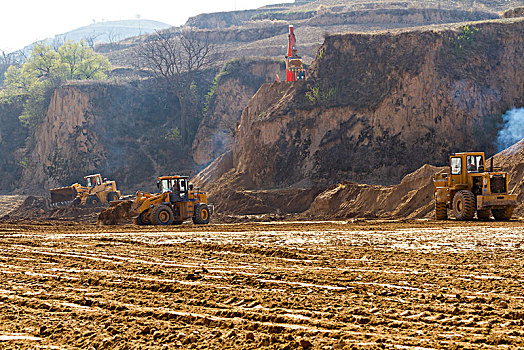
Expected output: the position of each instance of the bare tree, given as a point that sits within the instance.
(90, 39)
(178, 60)
(113, 36)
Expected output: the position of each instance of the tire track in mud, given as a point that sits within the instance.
(404, 288)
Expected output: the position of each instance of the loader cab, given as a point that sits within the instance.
(465, 168)
(93, 180)
(178, 185)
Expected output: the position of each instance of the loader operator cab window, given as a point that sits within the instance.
(89, 182)
(456, 165)
(168, 185)
(474, 164)
(183, 187)
(98, 182)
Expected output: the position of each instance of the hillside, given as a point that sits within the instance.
(375, 108)
(122, 130)
(121, 127)
(108, 32)
(263, 32)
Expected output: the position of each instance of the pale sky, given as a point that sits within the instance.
(23, 22)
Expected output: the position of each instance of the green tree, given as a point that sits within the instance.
(47, 69)
(80, 62)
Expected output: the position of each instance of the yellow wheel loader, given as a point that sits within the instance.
(176, 202)
(96, 191)
(468, 189)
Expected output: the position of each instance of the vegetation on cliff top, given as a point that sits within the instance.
(45, 70)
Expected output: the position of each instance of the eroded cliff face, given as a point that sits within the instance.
(237, 83)
(377, 107)
(119, 130)
(63, 143)
(12, 140)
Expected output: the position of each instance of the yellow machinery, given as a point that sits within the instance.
(468, 189)
(95, 191)
(176, 202)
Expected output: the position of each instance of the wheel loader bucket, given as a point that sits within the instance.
(62, 195)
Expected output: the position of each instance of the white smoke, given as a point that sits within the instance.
(513, 130)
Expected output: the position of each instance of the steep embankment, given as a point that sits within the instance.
(124, 130)
(377, 107)
(119, 130)
(238, 81)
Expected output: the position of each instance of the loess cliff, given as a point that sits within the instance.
(377, 107)
(234, 86)
(119, 130)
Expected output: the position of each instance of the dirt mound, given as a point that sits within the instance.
(31, 207)
(412, 198)
(8, 203)
(409, 199)
(230, 192)
(39, 208)
(512, 161)
(119, 212)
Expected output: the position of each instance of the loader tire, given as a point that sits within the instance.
(503, 214)
(464, 205)
(112, 196)
(76, 202)
(162, 215)
(92, 201)
(201, 214)
(140, 219)
(441, 211)
(484, 214)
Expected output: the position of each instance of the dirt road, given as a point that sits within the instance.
(330, 285)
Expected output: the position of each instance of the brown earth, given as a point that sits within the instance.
(411, 198)
(39, 208)
(296, 285)
(512, 161)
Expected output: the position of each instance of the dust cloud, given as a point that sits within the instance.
(513, 130)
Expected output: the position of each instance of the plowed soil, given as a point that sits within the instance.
(323, 285)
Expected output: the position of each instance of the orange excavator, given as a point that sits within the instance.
(294, 68)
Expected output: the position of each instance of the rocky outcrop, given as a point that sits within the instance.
(377, 107)
(234, 86)
(64, 142)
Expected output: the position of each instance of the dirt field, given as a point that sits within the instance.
(324, 285)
